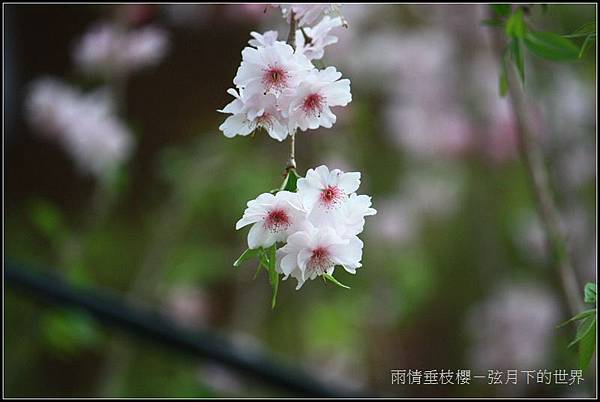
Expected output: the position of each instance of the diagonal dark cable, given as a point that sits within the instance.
(145, 322)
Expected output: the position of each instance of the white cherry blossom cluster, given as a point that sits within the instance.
(310, 227)
(85, 125)
(319, 224)
(279, 89)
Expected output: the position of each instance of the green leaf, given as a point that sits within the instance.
(264, 260)
(589, 293)
(290, 181)
(275, 290)
(258, 268)
(246, 255)
(550, 46)
(273, 274)
(587, 43)
(515, 26)
(516, 51)
(587, 345)
(584, 30)
(330, 278)
(584, 328)
(502, 10)
(578, 317)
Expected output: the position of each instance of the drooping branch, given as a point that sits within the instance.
(537, 176)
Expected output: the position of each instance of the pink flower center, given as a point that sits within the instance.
(331, 196)
(277, 220)
(275, 77)
(320, 260)
(313, 104)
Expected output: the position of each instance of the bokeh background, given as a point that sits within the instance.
(456, 273)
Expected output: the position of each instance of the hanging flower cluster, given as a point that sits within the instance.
(310, 225)
(318, 224)
(279, 89)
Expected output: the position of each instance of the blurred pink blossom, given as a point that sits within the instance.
(109, 48)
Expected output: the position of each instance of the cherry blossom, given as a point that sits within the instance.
(350, 217)
(280, 90)
(273, 218)
(316, 251)
(327, 189)
(271, 69)
(306, 14)
(263, 40)
(309, 105)
(252, 112)
(312, 41)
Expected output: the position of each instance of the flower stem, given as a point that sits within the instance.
(291, 164)
(291, 40)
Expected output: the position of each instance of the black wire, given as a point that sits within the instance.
(113, 310)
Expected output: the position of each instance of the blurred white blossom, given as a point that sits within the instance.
(85, 125)
(109, 48)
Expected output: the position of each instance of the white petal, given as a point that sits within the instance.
(308, 195)
(349, 182)
(288, 264)
(338, 93)
(247, 220)
(298, 240)
(323, 174)
(278, 131)
(330, 74)
(258, 236)
(303, 257)
(234, 125)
